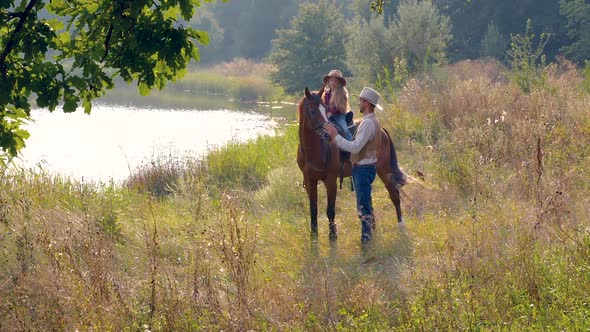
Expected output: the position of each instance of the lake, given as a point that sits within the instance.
(113, 140)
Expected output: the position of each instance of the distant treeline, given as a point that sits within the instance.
(245, 28)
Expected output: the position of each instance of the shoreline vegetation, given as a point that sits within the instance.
(239, 84)
(498, 234)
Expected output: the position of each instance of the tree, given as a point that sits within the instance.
(312, 46)
(470, 19)
(257, 26)
(370, 48)
(577, 13)
(527, 61)
(493, 43)
(421, 33)
(205, 19)
(418, 35)
(74, 56)
(246, 28)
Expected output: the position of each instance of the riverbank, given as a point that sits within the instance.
(497, 231)
(113, 141)
(240, 84)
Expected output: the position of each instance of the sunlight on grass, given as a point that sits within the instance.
(497, 231)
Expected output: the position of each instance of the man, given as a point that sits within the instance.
(363, 149)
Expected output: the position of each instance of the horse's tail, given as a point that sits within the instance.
(398, 175)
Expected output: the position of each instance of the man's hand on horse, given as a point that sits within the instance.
(330, 129)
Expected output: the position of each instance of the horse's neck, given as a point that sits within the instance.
(309, 138)
(313, 145)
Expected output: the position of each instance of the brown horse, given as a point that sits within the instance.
(320, 161)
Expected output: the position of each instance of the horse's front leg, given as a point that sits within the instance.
(312, 193)
(331, 190)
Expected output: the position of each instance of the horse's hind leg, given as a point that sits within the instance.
(394, 195)
(331, 209)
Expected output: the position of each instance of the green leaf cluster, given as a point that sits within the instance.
(527, 60)
(69, 52)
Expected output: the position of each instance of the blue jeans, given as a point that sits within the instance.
(362, 177)
(340, 119)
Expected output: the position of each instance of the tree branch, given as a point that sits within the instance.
(107, 44)
(13, 38)
(15, 15)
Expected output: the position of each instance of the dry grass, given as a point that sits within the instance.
(498, 233)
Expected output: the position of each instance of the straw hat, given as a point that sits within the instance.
(337, 74)
(371, 96)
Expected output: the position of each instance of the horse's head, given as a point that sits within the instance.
(313, 110)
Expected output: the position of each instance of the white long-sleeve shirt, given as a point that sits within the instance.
(364, 133)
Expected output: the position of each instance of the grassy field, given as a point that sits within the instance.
(497, 238)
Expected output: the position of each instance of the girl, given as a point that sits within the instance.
(336, 97)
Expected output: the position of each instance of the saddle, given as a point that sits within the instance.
(345, 155)
(325, 143)
(349, 122)
(341, 131)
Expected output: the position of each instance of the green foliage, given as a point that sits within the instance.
(159, 177)
(73, 57)
(391, 80)
(12, 137)
(493, 43)
(242, 29)
(377, 6)
(247, 165)
(370, 48)
(527, 62)
(458, 166)
(416, 39)
(586, 73)
(471, 19)
(239, 80)
(577, 13)
(281, 192)
(110, 208)
(310, 47)
(365, 9)
(421, 33)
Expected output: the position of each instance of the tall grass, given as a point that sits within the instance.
(239, 81)
(507, 254)
(498, 236)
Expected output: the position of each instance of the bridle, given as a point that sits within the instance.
(313, 113)
(315, 120)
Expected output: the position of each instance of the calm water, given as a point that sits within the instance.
(106, 144)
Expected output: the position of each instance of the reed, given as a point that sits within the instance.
(238, 81)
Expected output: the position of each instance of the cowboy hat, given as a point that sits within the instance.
(371, 96)
(336, 74)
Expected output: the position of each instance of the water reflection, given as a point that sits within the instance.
(112, 140)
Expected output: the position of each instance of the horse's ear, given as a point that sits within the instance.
(322, 90)
(307, 93)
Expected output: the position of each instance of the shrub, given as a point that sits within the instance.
(493, 43)
(527, 62)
